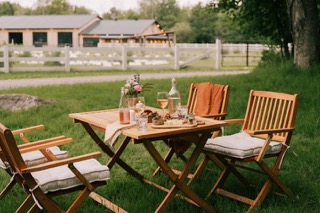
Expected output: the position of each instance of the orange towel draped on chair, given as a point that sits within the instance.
(209, 98)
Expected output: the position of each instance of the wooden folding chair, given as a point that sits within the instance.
(266, 133)
(45, 181)
(214, 106)
(34, 157)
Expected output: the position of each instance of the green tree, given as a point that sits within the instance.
(113, 14)
(81, 10)
(42, 7)
(19, 10)
(59, 7)
(202, 22)
(6, 8)
(149, 9)
(269, 19)
(131, 14)
(226, 29)
(185, 14)
(168, 14)
(183, 32)
(260, 20)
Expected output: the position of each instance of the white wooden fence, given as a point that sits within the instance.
(116, 57)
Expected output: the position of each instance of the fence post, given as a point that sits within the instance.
(67, 58)
(176, 57)
(247, 54)
(124, 58)
(6, 64)
(218, 53)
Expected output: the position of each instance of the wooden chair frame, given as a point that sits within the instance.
(11, 154)
(269, 116)
(191, 105)
(25, 148)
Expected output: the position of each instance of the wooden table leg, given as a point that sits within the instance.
(119, 151)
(115, 158)
(179, 180)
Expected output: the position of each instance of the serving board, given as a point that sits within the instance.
(173, 126)
(177, 126)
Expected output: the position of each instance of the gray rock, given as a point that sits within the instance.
(16, 102)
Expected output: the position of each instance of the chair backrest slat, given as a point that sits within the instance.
(283, 121)
(266, 113)
(192, 99)
(270, 110)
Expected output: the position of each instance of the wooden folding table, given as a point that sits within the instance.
(98, 120)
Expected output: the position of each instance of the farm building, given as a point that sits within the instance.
(79, 31)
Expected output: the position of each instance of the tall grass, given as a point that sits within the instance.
(300, 171)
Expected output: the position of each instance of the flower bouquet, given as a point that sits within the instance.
(133, 87)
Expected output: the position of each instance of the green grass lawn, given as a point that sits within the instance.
(300, 171)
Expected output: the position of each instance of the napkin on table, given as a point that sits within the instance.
(113, 131)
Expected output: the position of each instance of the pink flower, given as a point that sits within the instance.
(138, 88)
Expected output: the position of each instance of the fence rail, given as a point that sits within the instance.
(116, 57)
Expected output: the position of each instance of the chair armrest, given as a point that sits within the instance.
(21, 146)
(56, 163)
(43, 144)
(234, 121)
(271, 131)
(28, 129)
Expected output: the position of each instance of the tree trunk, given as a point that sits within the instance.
(303, 15)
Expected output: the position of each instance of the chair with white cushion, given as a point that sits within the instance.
(47, 180)
(36, 157)
(266, 133)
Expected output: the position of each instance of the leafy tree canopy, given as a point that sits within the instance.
(6, 8)
(202, 22)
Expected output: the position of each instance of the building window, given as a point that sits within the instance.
(90, 42)
(39, 39)
(15, 38)
(64, 39)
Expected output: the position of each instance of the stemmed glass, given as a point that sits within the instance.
(162, 100)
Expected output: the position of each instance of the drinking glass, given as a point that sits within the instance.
(142, 122)
(140, 105)
(162, 100)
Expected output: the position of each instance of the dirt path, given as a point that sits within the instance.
(17, 83)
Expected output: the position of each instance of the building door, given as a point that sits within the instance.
(16, 38)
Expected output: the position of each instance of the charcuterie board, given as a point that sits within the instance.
(169, 126)
(164, 126)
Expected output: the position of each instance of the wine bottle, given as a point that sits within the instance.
(124, 112)
(174, 99)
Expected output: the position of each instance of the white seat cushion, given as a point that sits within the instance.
(36, 157)
(240, 145)
(62, 177)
